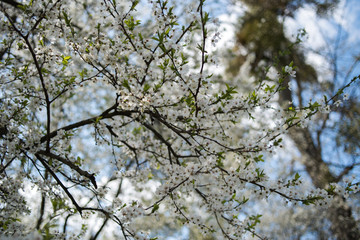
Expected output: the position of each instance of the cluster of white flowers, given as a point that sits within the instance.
(131, 212)
(290, 70)
(143, 90)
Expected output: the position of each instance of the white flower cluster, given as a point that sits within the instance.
(132, 211)
(290, 71)
(102, 87)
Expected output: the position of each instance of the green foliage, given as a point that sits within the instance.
(65, 60)
(58, 204)
(155, 208)
(67, 20)
(254, 220)
(131, 23)
(259, 158)
(295, 181)
(126, 84)
(311, 200)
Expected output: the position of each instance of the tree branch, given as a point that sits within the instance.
(12, 3)
(44, 163)
(91, 177)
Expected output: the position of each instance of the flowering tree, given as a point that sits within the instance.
(111, 116)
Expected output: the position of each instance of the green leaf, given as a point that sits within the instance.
(65, 60)
(219, 163)
(44, 70)
(290, 120)
(260, 173)
(157, 87)
(270, 89)
(131, 23)
(277, 142)
(83, 73)
(134, 4)
(155, 208)
(259, 158)
(97, 120)
(126, 84)
(167, 31)
(255, 219)
(78, 161)
(331, 190)
(206, 17)
(146, 87)
(66, 18)
(314, 106)
(136, 131)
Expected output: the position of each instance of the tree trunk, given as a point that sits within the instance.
(343, 225)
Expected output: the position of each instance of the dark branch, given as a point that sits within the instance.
(12, 3)
(44, 163)
(91, 177)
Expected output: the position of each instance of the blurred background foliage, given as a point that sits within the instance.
(329, 146)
